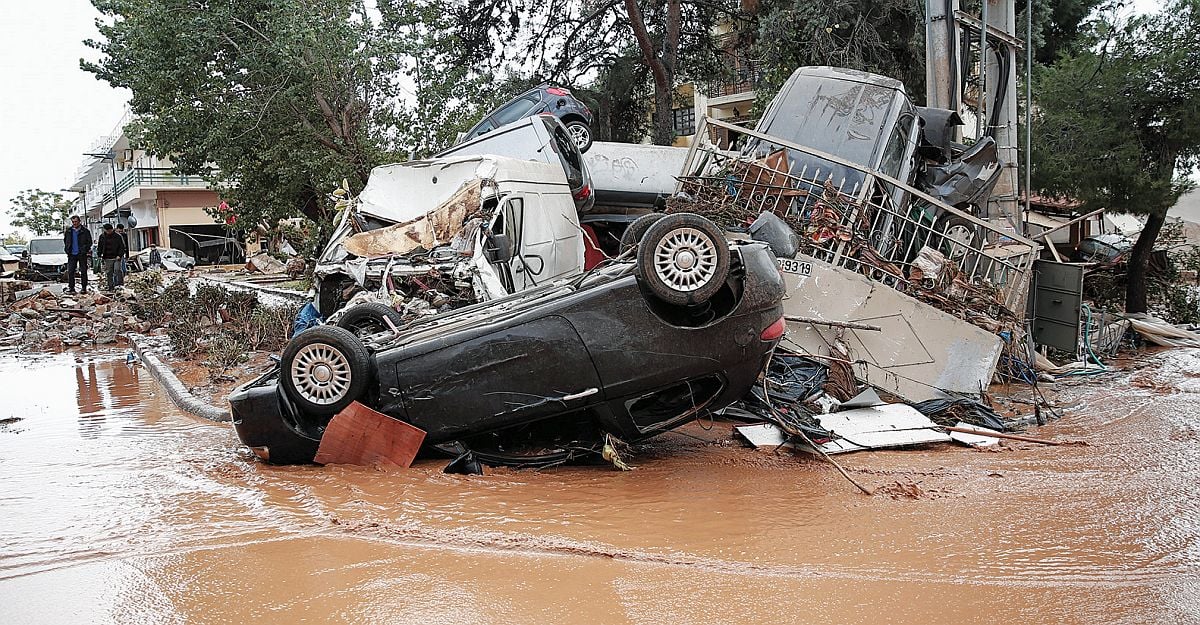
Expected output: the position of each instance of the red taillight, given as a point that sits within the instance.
(774, 331)
(557, 91)
(583, 193)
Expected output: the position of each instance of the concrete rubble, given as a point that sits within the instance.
(46, 321)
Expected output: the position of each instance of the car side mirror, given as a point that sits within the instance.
(775, 232)
(499, 248)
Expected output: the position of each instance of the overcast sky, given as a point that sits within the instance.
(52, 110)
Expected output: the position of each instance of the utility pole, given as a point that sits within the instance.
(989, 43)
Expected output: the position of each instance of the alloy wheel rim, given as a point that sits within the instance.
(686, 259)
(320, 373)
(960, 238)
(580, 134)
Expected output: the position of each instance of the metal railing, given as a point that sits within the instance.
(745, 80)
(867, 222)
(152, 177)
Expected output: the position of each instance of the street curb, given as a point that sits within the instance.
(175, 389)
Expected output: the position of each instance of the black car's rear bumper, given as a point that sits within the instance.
(266, 424)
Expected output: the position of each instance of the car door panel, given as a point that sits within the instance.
(516, 374)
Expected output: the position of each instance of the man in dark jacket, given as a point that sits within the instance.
(122, 267)
(77, 243)
(111, 250)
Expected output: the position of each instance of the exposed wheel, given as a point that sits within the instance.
(683, 259)
(581, 134)
(323, 369)
(366, 319)
(960, 235)
(636, 230)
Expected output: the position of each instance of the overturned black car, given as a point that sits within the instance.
(630, 349)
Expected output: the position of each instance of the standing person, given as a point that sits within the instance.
(123, 266)
(111, 250)
(155, 257)
(77, 243)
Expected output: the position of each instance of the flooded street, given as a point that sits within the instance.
(118, 508)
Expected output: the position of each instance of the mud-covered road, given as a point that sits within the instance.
(117, 508)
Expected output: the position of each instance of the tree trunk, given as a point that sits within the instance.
(663, 132)
(1139, 257)
(661, 67)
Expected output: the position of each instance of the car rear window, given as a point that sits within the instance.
(512, 112)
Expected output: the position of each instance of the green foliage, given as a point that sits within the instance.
(223, 351)
(448, 96)
(1113, 123)
(285, 98)
(885, 37)
(576, 41)
(1116, 121)
(43, 212)
(276, 102)
(220, 324)
(13, 238)
(1059, 27)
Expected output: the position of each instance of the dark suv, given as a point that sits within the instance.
(543, 99)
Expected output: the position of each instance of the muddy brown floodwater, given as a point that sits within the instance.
(117, 508)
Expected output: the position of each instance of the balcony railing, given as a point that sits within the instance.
(152, 177)
(745, 80)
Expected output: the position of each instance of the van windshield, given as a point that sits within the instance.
(845, 118)
(45, 246)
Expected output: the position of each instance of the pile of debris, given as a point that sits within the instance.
(837, 218)
(40, 319)
(211, 322)
(803, 403)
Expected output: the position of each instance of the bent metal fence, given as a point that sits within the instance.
(874, 224)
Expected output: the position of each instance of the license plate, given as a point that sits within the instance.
(791, 265)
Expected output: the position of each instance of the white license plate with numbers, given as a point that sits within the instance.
(791, 265)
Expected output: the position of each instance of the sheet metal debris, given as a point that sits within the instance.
(1162, 333)
(437, 227)
(877, 427)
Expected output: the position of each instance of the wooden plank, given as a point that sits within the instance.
(360, 435)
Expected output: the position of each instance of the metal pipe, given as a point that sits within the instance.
(980, 126)
(1028, 106)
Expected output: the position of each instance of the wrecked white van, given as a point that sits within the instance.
(433, 235)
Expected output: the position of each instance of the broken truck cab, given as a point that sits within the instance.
(869, 121)
(428, 236)
(838, 159)
(629, 349)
